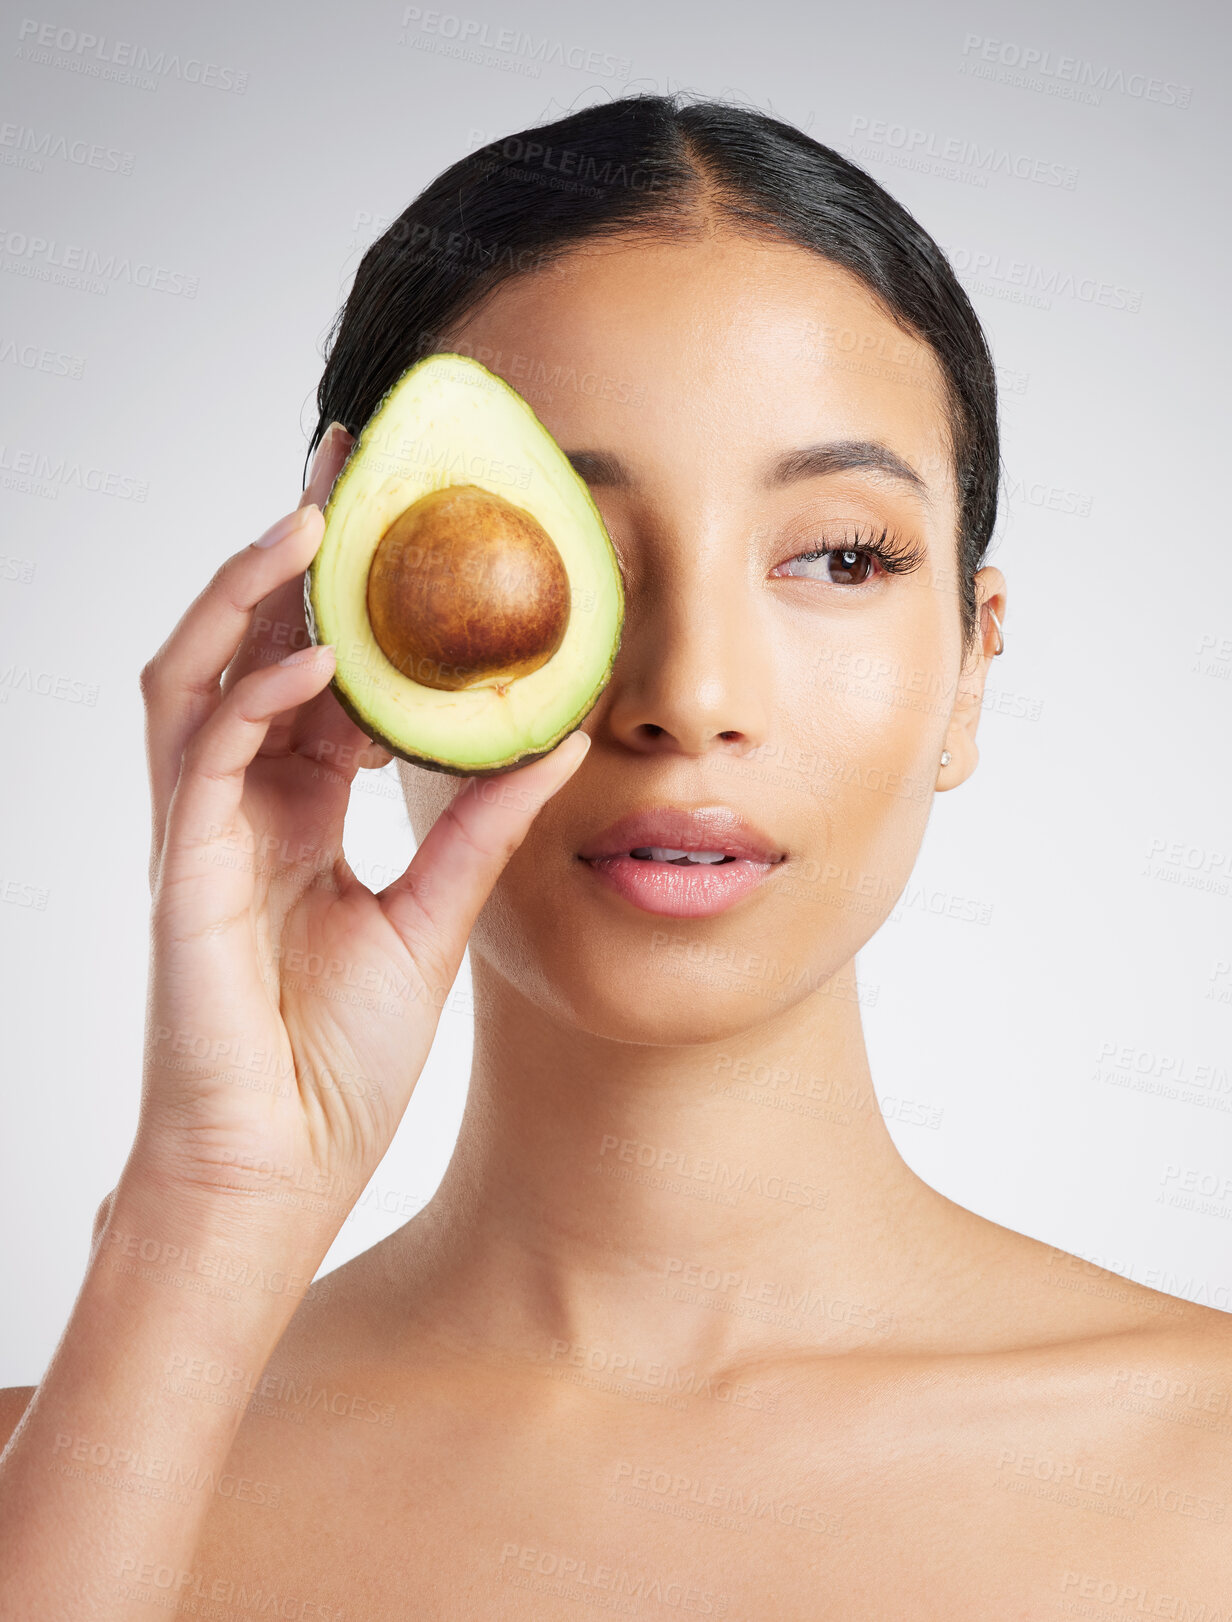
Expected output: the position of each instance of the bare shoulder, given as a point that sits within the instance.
(1083, 1291)
(1114, 1407)
(13, 1403)
(1171, 1382)
(1150, 1442)
(1011, 1290)
(1141, 1351)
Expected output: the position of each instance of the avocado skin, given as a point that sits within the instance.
(311, 581)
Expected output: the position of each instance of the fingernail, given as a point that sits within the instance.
(322, 650)
(572, 751)
(284, 527)
(324, 452)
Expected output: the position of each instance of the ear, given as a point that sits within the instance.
(990, 593)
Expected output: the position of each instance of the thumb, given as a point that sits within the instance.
(434, 903)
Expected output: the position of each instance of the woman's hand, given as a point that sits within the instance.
(290, 1012)
(290, 1008)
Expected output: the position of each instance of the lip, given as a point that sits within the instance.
(678, 827)
(682, 892)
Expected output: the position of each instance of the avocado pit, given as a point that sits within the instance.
(466, 590)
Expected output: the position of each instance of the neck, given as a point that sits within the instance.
(692, 1204)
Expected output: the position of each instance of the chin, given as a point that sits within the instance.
(665, 983)
(621, 1008)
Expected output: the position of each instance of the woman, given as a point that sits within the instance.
(680, 1331)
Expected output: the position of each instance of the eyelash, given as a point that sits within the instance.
(896, 556)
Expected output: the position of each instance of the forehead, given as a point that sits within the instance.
(738, 348)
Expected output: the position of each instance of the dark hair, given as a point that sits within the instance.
(655, 166)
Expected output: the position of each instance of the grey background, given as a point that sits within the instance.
(1055, 987)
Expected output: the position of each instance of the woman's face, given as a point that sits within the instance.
(813, 698)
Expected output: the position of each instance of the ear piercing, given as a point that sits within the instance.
(945, 757)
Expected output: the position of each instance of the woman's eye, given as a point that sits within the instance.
(838, 566)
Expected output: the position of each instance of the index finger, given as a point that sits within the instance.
(278, 625)
(181, 681)
(320, 729)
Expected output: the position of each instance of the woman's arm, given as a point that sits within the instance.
(108, 1474)
(231, 1197)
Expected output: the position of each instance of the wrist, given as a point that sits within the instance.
(194, 1245)
(250, 1205)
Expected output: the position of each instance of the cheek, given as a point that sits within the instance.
(856, 773)
(859, 690)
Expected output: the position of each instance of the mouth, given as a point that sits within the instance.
(682, 862)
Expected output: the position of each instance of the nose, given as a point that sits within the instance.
(693, 674)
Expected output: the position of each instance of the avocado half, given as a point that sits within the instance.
(507, 561)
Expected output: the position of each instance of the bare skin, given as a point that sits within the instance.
(680, 1332)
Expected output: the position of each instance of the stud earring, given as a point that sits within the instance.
(945, 757)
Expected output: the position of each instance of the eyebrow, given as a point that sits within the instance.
(597, 467)
(810, 462)
(843, 456)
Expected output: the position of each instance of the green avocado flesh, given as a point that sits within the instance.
(448, 422)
